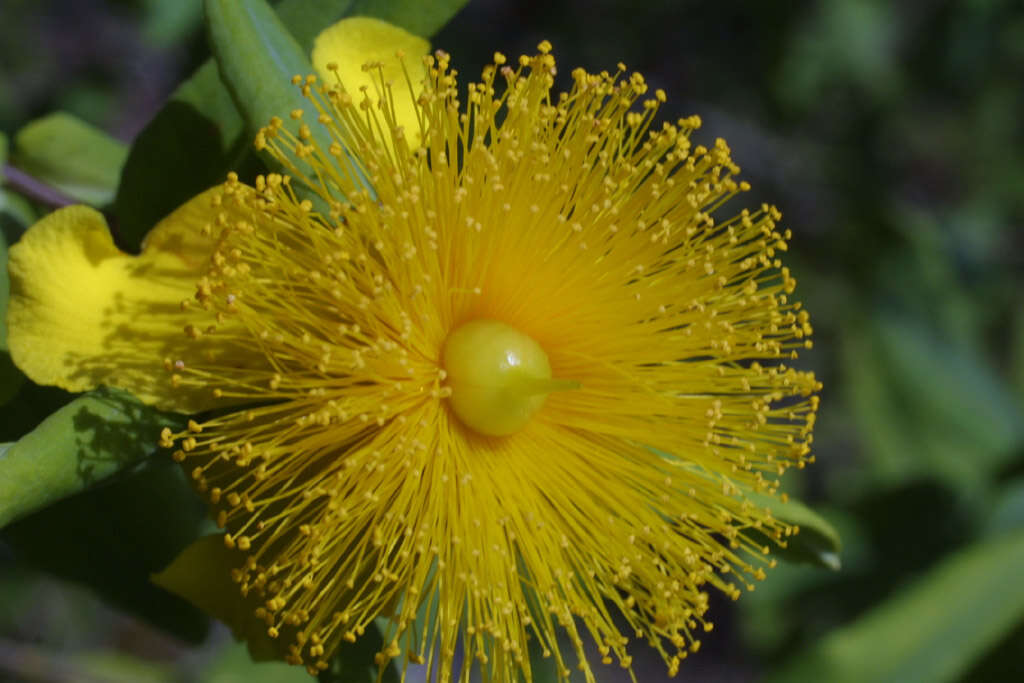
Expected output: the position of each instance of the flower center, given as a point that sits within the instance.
(499, 376)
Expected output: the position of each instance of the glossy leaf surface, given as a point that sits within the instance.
(86, 441)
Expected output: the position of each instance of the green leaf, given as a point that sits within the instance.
(16, 214)
(72, 156)
(789, 603)
(305, 19)
(198, 136)
(188, 147)
(415, 16)
(1007, 512)
(544, 669)
(931, 631)
(169, 23)
(816, 543)
(234, 665)
(955, 388)
(1017, 352)
(257, 58)
(891, 446)
(928, 408)
(89, 439)
(112, 537)
(354, 662)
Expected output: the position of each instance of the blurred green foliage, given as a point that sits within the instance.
(70, 156)
(890, 136)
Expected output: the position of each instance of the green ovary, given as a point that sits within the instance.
(499, 377)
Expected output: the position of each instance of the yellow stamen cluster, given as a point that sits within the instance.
(346, 480)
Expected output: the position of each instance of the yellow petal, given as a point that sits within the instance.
(356, 41)
(201, 574)
(84, 314)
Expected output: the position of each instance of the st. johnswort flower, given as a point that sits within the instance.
(494, 372)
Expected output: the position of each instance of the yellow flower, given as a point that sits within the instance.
(513, 377)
